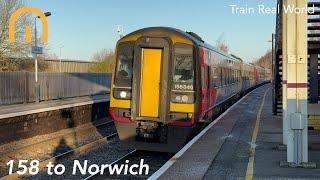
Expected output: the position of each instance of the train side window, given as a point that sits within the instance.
(216, 77)
(219, 75)
(211, 77)
(236, 75)
(219, 71)
(233, 75)
(228, 76)
(203, 81)
(223, 77)
(207, 56)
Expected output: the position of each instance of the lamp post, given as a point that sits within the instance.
(37, 86)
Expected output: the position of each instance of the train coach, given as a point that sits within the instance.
(168, 82)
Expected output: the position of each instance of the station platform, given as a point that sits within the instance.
(9, 111)
(224, 149)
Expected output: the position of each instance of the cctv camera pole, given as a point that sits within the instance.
(37, 85)
(120, 31)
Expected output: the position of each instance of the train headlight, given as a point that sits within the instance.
(184, 98)
(179, 98)
(122, 94)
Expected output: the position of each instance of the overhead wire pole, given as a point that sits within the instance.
(295, 63)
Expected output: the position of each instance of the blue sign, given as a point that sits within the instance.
(37, 50)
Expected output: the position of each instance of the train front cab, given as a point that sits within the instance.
(149, 113)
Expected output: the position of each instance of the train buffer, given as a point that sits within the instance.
(242, 143)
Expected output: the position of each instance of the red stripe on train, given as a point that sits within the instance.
(117, 118)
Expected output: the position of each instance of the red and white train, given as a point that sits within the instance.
(168, 82)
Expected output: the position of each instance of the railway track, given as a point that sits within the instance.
(154, 160)
(113, 163)
(62, 152)
(4, 153)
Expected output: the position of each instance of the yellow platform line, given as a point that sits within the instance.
(249, 173)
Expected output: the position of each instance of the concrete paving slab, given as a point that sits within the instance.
(223, 152)
(228, 165)
(194, 163)
(9, 111)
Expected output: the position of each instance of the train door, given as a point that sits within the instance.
(204, 84)
(150, 82)
(212, 76)
(150, 97)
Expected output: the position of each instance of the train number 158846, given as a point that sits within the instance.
(183, 87)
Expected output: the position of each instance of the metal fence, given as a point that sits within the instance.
(68, 66)
(19, 87)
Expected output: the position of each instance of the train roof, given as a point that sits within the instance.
(197, 40)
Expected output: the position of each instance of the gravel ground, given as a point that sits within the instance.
(155, 160)
(37, 139)
(69, 139)
(104, 154)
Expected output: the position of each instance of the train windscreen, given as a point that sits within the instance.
(124, 69)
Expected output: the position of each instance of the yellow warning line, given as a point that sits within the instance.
(249, 173)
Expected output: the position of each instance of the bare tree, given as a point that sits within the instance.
(18, 49)
(222, 44)
(265, 60)
(105, 61)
